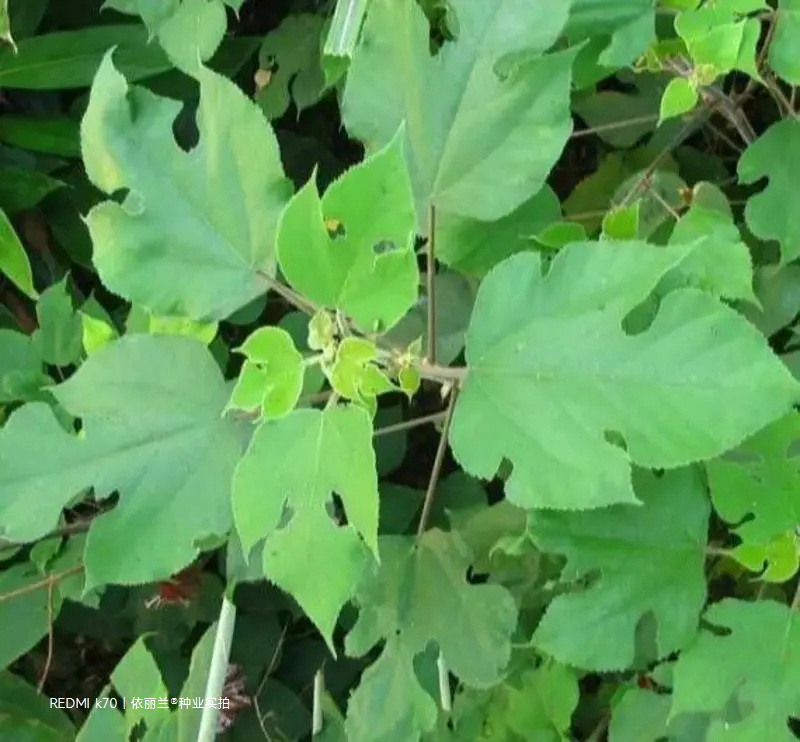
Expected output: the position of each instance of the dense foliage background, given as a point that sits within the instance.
(387, 370)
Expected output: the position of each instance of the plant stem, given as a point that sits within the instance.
(616, 125)
(408, 424)
(437, 465)
(430, 279)
(316, 709)
(50, 637)
(50, 579)
(291, 296)
(441, 373)
(445, 697)
(209, 721)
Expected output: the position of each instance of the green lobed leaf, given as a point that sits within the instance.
(292, 56)
(419, 595)
(14, 262)
(182, 243)
(151, 427)
(353, 249)
(469, 121)
(773, 155)
(271, 379)
(756, 488)
(556, 385)
(720, 261)
(620, 543)
(755, 662)
(299, 462)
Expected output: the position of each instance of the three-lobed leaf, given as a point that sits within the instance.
(151, 427)
(473, 111)
(282, 495)
(557, 385)
(195, 233)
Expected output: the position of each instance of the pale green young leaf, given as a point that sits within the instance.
(758, 487)
(354, 374)
(776, 560)
(271, 379)
(783, 56)
(419, 595)
(59, 339)
(474, 247)
(719, 261)
(292, 56)
(151, 428)
(354, 249)
(295, 465)
(622, 223)
(772, 156)
(620, 543)
(756, 662)
(469, 128)
(554, 380)
(182, 243)
(21, 373)
(721, 37)
(680, 96)
(14, 262)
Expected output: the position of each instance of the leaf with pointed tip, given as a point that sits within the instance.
(353, 249)
(557, 385)
(151, 427)
(183, 242)
(271, 379)
(720, 261)
(756, 662)
(419, 595)
(470, 120)
(59, 339)
(773, 155)
(620, 542)
(14, 262)
(282, 490)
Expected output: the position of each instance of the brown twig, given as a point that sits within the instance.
(616, 125)
(34, 586)
(408, 424)
(438, 460)
(291, 296)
